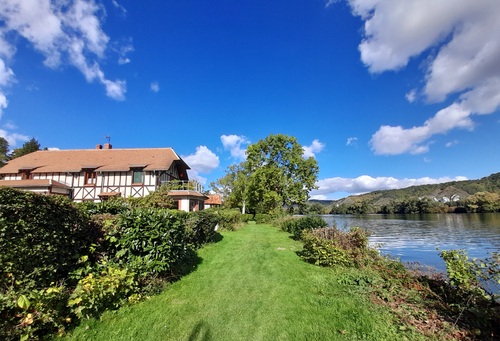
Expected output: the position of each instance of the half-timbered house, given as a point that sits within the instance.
(100, 173)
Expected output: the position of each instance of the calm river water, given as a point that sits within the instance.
(419, 238)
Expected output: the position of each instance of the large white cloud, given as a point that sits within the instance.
(365, 183)
(13, 138)
(63, 32)
(463, 50)
(236, 144)
(315, 147)
(203, 160)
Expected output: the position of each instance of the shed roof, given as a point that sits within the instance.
(56, 161)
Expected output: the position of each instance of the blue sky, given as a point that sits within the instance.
(383, 93)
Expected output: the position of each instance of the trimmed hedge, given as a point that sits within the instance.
(41, 237)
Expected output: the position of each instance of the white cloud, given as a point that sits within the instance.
(123, 50)
(365, 183)
(13, 138)
(315, 147)
(411, 96)
(461, 39)
(352, 141)
(202, 161)
(155, 87)
(451, 143)
(63, 32)
(235, 143)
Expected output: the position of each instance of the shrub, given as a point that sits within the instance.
(330, 246)
(111, 206)
(200, 226)
(295, 225)
(42, 237)
(149, 240)
(31, 313)
(229, 219)
(247, 217)
(261, 218)
(107, 288)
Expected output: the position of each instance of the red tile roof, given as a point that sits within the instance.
(214, 199)
(57, 161)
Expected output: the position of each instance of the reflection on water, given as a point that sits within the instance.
(419, 238)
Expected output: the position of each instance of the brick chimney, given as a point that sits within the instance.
(108, 146)
(98, 146)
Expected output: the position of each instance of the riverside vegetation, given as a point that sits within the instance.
(249, 285)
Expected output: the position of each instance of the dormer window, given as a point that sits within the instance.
(90, 177)
(137, 176)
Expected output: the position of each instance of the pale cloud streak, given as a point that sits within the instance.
(461, 40)
(315, 147)
(63, 32)
(236, 144)
(365, 183)
(352, 141)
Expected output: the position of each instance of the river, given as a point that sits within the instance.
(420, 237)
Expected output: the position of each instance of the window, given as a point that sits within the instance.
(90, 177)
(25, 174)
(138, 176)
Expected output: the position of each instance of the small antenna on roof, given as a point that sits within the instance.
(108, 138)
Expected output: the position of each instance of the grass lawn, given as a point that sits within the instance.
(251, 286)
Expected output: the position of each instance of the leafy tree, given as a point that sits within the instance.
(233, 187)
(28, 147)
(4, 148)
(279, 175)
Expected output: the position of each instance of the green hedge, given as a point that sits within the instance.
(41, 237)
(295, 225)
(201, 226)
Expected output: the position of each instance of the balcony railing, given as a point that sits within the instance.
(182, 185)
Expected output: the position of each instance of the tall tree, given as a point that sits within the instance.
(28, 147)
(4, 149)
(233, 187)
(279, 174)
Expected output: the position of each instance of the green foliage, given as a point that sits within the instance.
(296, 225)
(155, 199)
(42, 237)
(28, 147)
(233, 187)
(31, 313)
(149, 240)
(331, 246)
(231, 219)
(278, 174)
(107, 288)
(111, 206)
(261, 218)
(247, 217)
(4, 149)
(201, 226)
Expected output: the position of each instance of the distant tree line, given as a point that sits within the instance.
(480, 202)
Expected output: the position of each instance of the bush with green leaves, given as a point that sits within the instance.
(262, 218)
(29, 314)
(149, 240)
(200, 226)
(229, 219)
(111, 206)
(42, 237)
(245, 218)
(295, 225)
(106, 288)
(331, 246)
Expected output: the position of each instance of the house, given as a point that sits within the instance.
(214, 200)
(100, 173)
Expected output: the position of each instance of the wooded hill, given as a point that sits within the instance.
(445, 193)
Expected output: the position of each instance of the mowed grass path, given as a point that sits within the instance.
(250, 286)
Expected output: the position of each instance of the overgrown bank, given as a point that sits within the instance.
(253, 286)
